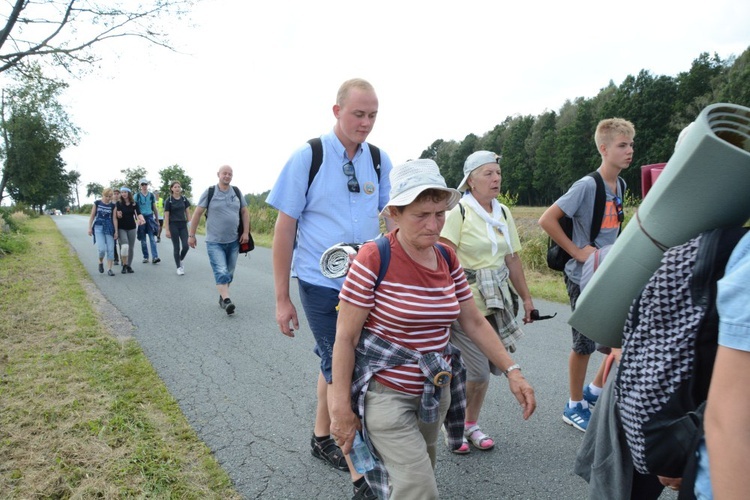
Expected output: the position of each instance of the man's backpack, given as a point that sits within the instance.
(556, 256)
(669, 344)
(317, 159)
(246, 247)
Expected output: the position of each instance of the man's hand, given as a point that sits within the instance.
(286, 317)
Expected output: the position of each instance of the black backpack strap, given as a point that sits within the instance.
(317, 160)
(208, 199)
(375, 153)
(600, 201)
(384, 248)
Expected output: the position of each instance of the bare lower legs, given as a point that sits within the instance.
(577, 366)
(475, 393)
(223, 290)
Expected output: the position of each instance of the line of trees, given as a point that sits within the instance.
(58, 35)
(543, 155)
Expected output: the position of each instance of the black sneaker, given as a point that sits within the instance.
(221, 303)
(110, 272)
(124, 269)
(101, 267)
(117, 262)
(328, 451)
(156, 260)
(130, 270)
(228, 306)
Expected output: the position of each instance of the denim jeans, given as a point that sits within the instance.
(105, 243)
(151, 237)
(223, 259)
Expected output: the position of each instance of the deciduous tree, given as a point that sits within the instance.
(65, 32)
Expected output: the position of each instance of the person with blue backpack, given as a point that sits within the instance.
(396, 376)
(147, 207)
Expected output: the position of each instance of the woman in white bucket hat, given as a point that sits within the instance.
(392, 358)
(484, 236)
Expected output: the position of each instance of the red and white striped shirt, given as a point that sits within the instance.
(413, 306)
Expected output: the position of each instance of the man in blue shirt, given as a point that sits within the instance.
(727, 420)
(342, 204)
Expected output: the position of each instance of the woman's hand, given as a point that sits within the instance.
(91, 231)
(343, 426)
(523, 392)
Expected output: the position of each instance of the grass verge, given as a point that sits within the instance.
(83, 414)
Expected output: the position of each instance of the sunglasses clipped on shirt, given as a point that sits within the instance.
(618, 207)
(352, 184)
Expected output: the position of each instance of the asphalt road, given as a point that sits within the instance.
(249, 391)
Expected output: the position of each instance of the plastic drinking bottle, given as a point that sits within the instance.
(360, 455)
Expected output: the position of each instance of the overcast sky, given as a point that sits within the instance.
(255, 80)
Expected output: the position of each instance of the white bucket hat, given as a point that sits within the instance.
(473, 162)
(413, 177)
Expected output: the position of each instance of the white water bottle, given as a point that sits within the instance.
(360, 455)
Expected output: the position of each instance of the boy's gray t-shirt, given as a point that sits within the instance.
(223, 215)
(578, 204)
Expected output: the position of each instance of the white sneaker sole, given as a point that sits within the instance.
(573, 423)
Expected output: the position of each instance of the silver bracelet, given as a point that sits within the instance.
(511, 368)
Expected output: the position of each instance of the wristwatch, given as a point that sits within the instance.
(511, 368)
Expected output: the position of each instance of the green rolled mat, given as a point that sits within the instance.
(705, 185)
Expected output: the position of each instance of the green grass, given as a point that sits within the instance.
(84, 414)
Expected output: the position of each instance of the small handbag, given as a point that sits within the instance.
(249, 246)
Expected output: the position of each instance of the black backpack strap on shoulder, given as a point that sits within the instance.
(599, 202)
(384, 248)
(208, 199)
(316, 144)
(317, 160)
(375, 153)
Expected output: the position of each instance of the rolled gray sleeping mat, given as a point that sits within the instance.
(705, 185)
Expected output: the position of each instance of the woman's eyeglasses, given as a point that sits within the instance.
(618, 207)
(352, 183)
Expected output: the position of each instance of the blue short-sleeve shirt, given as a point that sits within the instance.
(329, 213)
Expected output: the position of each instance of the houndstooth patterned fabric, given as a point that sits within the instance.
(658, 345)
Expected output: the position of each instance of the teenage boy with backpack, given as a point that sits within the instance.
(614, 141)
(147, 206)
